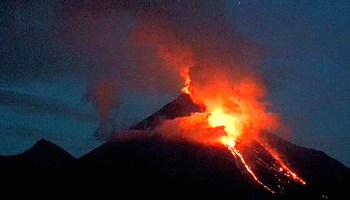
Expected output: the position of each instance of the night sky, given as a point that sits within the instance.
(53, 51)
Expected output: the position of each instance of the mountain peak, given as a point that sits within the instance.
(43, 142)
(180, 107)
(44, 149)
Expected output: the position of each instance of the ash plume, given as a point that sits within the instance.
(151, 47)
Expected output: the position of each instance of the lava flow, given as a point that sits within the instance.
(227, 90)
(235, 115)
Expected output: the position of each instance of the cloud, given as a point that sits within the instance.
(30, 104)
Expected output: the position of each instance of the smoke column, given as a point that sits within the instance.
(104, 95)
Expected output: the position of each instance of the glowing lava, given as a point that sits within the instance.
(238, 116)
(233, 128)
(283, 168)
(235, 153)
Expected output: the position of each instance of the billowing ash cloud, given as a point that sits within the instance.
(150, 46)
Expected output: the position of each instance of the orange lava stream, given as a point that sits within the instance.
(288, 172)
(235, 153)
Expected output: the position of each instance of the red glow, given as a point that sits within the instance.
(231, 95)
(234, 112)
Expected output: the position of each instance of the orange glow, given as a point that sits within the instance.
(234, 113)
(186, 89)
(236, 107)
(179, 58)
(230, 123)
(230, 94)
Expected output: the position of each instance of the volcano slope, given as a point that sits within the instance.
(151, 166)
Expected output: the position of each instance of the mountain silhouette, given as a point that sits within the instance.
(46, 150)
(43, 158)
(151, 166)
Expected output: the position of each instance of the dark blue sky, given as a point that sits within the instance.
(46, 67)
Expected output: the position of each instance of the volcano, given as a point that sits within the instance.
(180, 168)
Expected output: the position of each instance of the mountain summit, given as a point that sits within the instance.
(182, 106)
